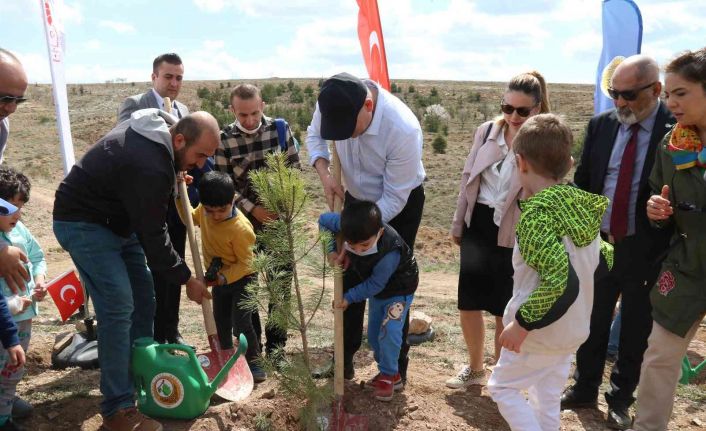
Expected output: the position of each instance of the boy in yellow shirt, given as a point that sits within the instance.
(227, 234)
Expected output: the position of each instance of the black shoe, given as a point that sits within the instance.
(571, 399)
(10, 426)
(178, 339)
(21, 408)
(618, 418)
(325, 371)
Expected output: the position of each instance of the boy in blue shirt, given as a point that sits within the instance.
(14, 193)
(386, 274)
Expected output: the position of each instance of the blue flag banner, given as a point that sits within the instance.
(622, 37)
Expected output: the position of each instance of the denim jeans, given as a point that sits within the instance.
(386, 318)
(114, 271)
(614, 339)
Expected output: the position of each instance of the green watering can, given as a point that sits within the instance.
(173, 385)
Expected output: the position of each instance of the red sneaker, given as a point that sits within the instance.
(384, 388)
(396, 381)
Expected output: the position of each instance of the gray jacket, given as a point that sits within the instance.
(144, 101)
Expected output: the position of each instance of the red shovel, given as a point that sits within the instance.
(239, 383)
(340, 420)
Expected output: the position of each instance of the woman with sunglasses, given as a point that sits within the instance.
(679, 297)
(484, 221)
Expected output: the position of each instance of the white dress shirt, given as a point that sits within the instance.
(160, 101)
(644, 135)
(384, 164)
(495, 180)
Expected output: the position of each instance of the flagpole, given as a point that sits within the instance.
(54, 32)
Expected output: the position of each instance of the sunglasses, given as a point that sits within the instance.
(690, 206)
(522, 111)
(627, 95)
(4, 100)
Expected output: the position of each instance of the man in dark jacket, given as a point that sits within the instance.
(618, 155)
(110, 215)
(167, 78)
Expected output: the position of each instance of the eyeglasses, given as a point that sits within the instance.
(627, 95)
(4, 100)
(521, 111)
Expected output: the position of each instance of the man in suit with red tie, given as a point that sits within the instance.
(618, 154)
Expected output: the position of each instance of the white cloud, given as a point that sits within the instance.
(582, 44)
(289, 8)
(71, 14)
(120, 27)
(36, 66)
(213, 44)
(210, 5)
(93, 45)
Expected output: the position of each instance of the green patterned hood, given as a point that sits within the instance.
(555, 213)
(571, 211)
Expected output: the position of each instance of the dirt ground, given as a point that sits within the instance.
(69, 399)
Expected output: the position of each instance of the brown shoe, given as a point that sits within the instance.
(130, 419)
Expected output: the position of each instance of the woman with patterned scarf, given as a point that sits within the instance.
(679, 297)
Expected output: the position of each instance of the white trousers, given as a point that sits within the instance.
(543, 376)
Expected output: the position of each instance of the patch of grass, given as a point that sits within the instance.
(439, 307)
(445, 267)
(44, 119)
(695, 393)
(262, 422)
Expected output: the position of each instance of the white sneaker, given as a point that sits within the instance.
(466, 377)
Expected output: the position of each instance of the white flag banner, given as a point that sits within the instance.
(54, 31)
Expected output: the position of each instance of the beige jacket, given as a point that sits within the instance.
(480, 157)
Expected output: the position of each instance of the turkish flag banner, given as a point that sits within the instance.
(67, 293)
(370, 35)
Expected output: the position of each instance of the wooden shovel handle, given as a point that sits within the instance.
(337, 292)
(206, 306)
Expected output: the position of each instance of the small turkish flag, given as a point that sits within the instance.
(67, 293)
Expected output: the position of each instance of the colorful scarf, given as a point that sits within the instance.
(686, 148)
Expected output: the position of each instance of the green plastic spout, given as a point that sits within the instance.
(216, 382)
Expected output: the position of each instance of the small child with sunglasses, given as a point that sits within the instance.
(14, 193)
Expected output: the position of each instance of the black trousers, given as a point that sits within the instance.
(276, 338)
(406, 223)
(233, 318)
(627, 278)
(168, 295)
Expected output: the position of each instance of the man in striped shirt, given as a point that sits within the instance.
(244, 145)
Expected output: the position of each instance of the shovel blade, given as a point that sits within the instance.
(239, 383)
(342, 421)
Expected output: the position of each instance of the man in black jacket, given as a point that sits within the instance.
(110, 215)
(617, 159)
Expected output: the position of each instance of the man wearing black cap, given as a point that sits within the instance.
(379, 143)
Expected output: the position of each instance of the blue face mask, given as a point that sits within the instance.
(372, 250)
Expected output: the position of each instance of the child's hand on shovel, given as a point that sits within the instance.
(196, 290)
(183, 176)
(343, 304)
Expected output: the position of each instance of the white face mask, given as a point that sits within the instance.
(246, 131)
(368, 252)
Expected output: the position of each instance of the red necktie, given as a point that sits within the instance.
(621, 198)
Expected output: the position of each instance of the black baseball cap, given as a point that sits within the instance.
(340, 100)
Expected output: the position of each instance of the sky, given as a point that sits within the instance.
(480, 40)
